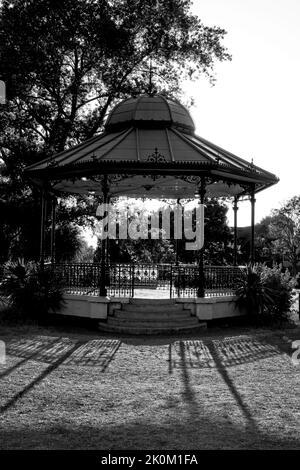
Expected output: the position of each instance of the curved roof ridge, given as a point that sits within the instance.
(148, 110)
(138, 99)
(168, 106)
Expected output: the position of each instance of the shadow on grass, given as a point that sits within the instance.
(215, 353)
(197, 433)
(38, 379)
(96, 353)
(93, 353)
(183, 355)
(228, 351)
(219, 355)
(191, 398)
(32, 351)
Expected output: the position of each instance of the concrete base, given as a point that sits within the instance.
(85, 306)
(210, 308)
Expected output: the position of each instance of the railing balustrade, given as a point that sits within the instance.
(123, 279)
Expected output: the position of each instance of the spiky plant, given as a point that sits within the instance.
(265, 291)
(31, 290)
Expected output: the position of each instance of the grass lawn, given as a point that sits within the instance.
(73, 388)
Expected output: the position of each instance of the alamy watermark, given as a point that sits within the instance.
(2, 352)
(167, 221)
(2, 92)
(296, 354)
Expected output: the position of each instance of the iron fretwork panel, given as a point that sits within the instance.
(120, 280)
(78, 278)
(221, 280)
(130, 280)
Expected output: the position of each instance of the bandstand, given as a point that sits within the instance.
(148, 149)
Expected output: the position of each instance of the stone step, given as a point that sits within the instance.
(129, 330)
(153, 307)
(190, 321)
(151, 314)
(154, 302)
(148, 317)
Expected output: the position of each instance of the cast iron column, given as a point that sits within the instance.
(53, 223)
(42, 236)
(103, 290)
(107, 247)
(177, 239)
(201, 287)
(252, 247)
(235, 209)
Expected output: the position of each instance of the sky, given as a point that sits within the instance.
(253, 109)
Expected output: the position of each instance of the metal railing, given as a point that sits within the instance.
(78, 278)
(124, 279)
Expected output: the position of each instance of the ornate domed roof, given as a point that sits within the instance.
(148, 111)
(149, 149)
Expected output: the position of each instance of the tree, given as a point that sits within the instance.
(277, 236)
(86, 254)
(285, 229)
(263, 242)
(66, 56)
(217, 237)
(217, 240)
(145, 250)
(66, 63)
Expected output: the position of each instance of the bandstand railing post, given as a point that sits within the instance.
(53, 223)
(42, 236)
(201, 285)
(132, 279)
(171, 280)
(103, 274)
(252, 236)
(235, 209)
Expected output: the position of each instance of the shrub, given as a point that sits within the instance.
(30, 290)
(266, 292)
(280, 286)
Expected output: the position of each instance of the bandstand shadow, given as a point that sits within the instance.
(55, 352)
(230, 351)
(221, 368)
(219, 355)
(193, 400)
(56, 363)
(95, 353)
(148, 341)
(27, 350)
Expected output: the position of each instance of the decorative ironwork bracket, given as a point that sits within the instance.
(156, 157)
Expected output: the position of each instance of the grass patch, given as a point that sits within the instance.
(72, 388)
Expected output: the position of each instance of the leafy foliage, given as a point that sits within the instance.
(277, 237)
(285, 230)
(65, 65)
(140, 250)
(218, 249)
(29, 290)
(217, 245)
(266, 292)
(217, 235)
